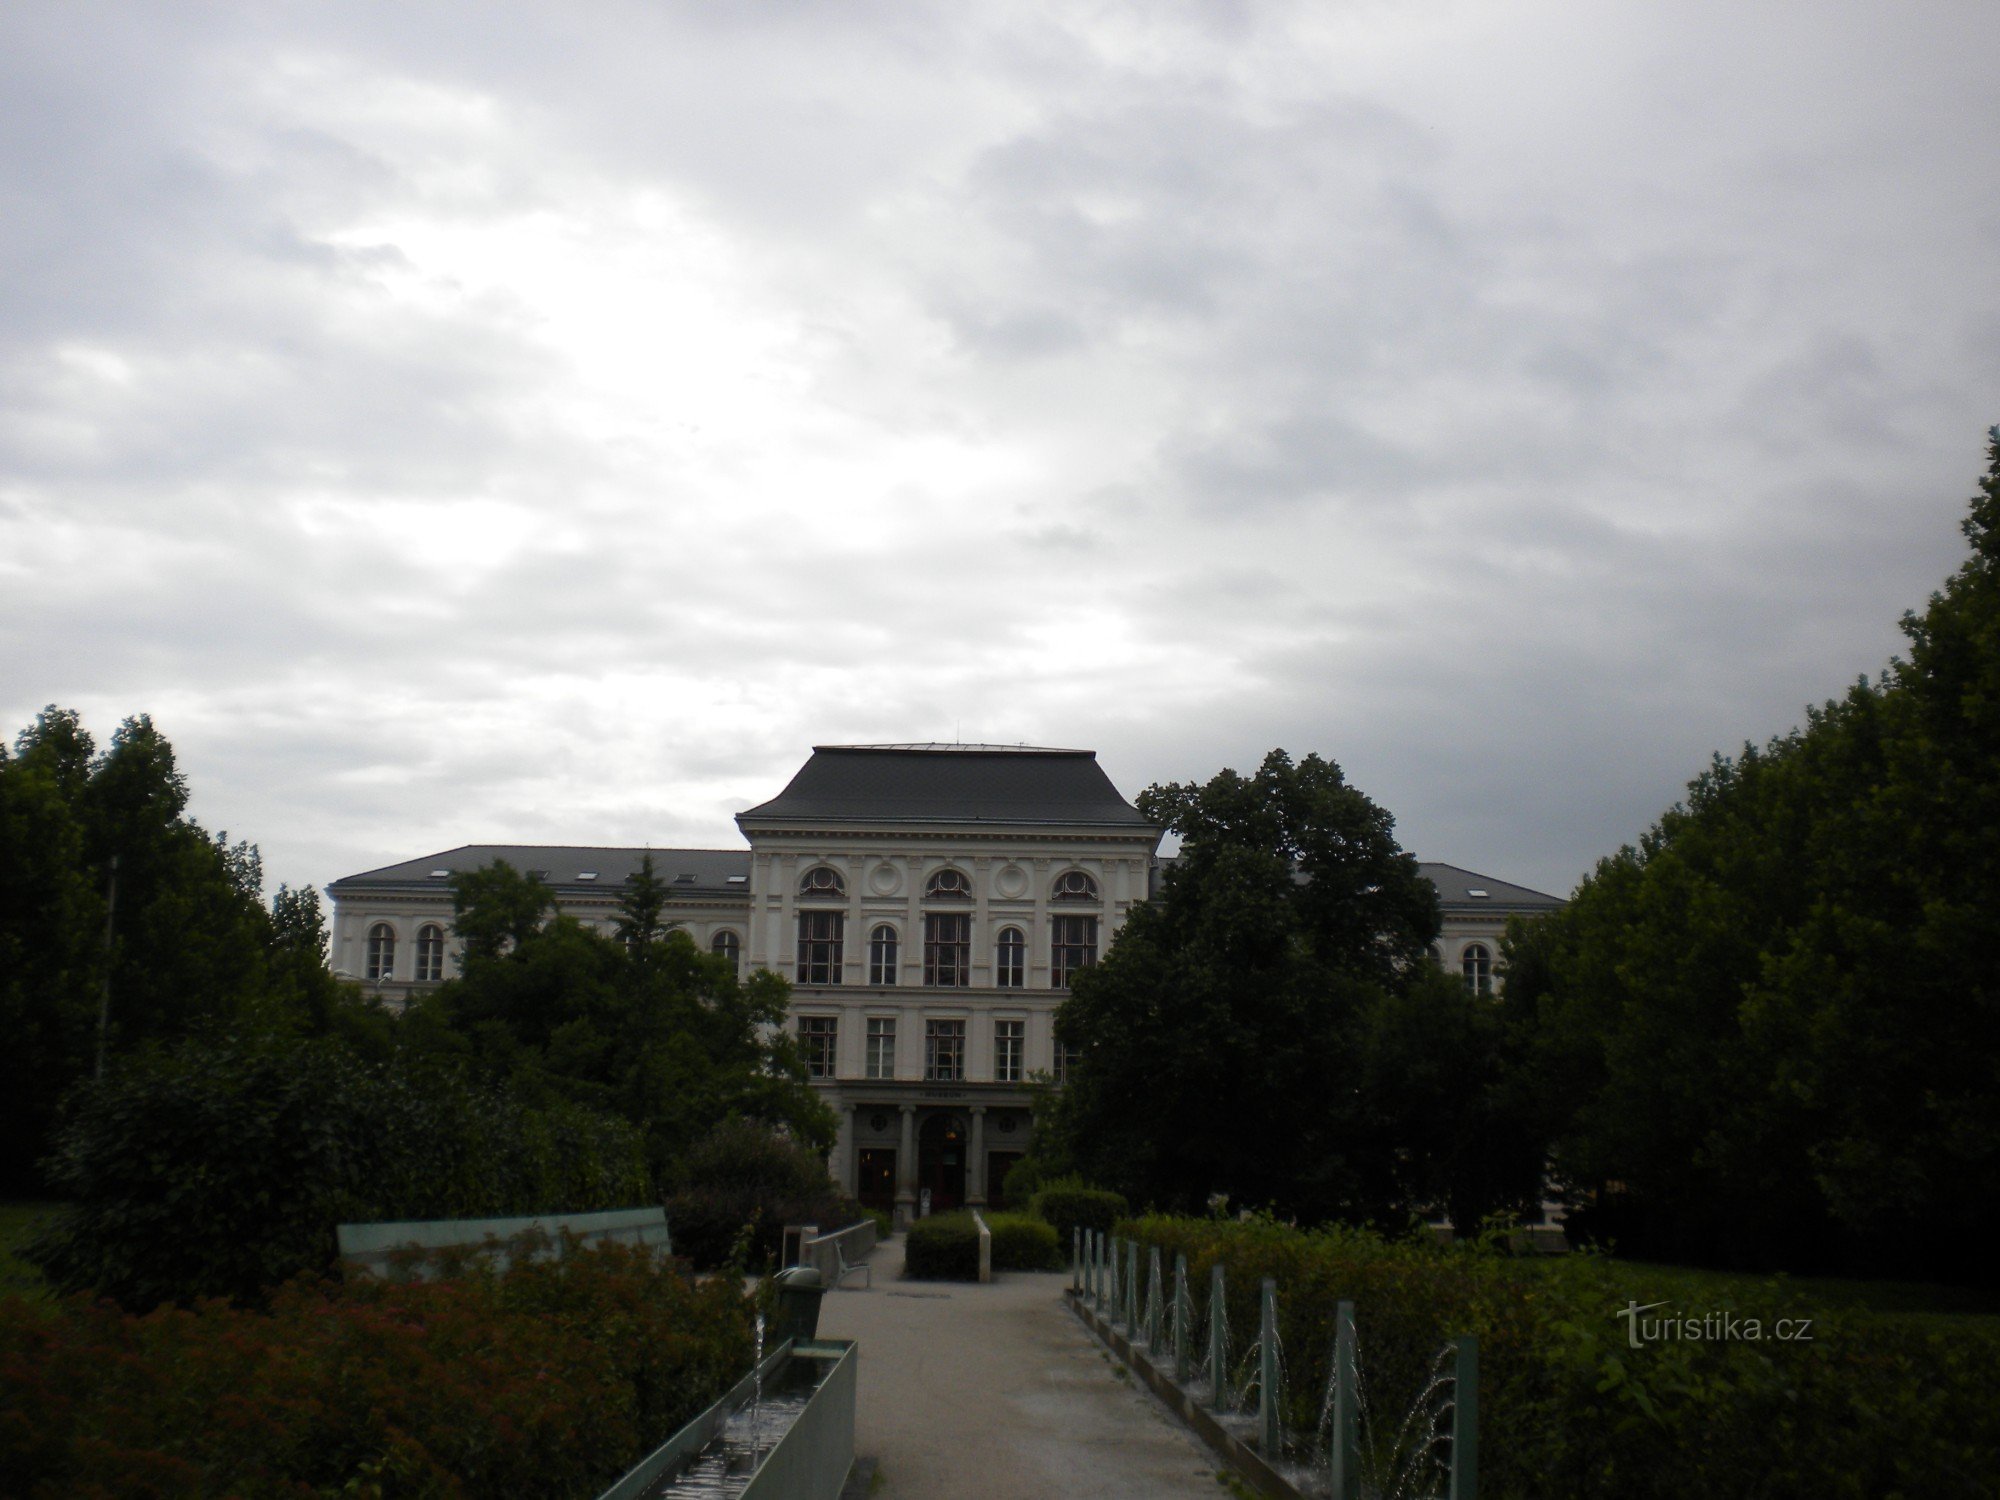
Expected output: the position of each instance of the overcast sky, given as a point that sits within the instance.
(544, 423)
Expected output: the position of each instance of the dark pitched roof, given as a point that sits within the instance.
(565, 867)
(1455, 889)
(949, 784)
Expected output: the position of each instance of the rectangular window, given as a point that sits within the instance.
(820, 946)
(944, 1051)
(817, 1035)
(881, 1046)
(1009, 1037)
(1065, 1060)
(948, 949)
(1073, 946)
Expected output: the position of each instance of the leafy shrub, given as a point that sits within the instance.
(945, 1247)
(1871, 1405)
(221, 1169)
(551, 1378)
(746, 1174)
(1068, 1205)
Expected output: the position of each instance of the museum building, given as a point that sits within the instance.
(929, 904)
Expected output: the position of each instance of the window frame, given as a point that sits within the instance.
(819, 1046)
(1010, 959)
(947, 959)
(884, 955)
(1475, 966)
(380, 966)
(813, 888)
(430, 954)
(879, 1062)
(944, 1049)
(822, 953)
(728, 944)
(1072, 946)
(1075, 885)
(1010, 1049)
(948, 884)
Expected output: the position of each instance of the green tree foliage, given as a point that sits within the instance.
(1774, 1023)
(220, 1168)
(108, 891)
(645, 1026)
(1272, 1028)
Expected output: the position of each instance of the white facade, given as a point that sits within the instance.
(924, 902)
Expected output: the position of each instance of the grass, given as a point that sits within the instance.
(19, 1223)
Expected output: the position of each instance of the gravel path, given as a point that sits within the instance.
(996, 1393)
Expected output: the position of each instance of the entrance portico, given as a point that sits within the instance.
(900, 1139)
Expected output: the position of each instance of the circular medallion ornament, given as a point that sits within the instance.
(885, 879)
(1006, 1124)
(1011, 882)
(878, 1121)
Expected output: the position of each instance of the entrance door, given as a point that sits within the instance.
(941, 1161)
(875, 1177)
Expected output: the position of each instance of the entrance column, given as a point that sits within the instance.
(906, 1169)
(975, 1169)
(844, 1174)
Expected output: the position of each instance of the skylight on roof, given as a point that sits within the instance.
(586, 875)
(739, 879)
(684, 880)
(1475, 891)
(439, 874)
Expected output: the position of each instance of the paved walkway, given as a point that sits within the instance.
(996, 1392)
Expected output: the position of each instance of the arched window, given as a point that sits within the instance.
(1074, 885)
(822, 883)
(948, 885)
(726, 944)
(1477, 965)
(381, 952)
(430, 954)
(820, 947)
(882, 955)
(1011, 971)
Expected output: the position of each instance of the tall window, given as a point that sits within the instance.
(948, 948)
(822, 884)
(948, 885)
(1072, 946)
(726, 944)
(430, 953)
(1009, 1037)
(1477, 965)
(817, 1035)
(882, 955)
(381, 951)
(1066, 1056)
(820, 947)
(944, 1051)
(1012, 970)
(1074, 885)
(881, 1046)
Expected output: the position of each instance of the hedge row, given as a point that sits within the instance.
(945, 1247)
(549, 1379)
(221, 1170)
(1870, 1406)
(1069, 1206)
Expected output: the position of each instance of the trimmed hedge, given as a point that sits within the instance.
(551, 1378)
(1070, 1206)
(1873, 1405)
(221, 1169)
(945, 1247)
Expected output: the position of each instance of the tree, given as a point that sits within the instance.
(1222, 1041)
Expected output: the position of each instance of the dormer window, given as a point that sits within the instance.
(823, 883)
(1074, 885)
(948, 885)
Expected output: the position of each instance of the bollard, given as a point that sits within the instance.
(1218, 1342)
(1182, 1307)
(1075, 1259)
(1267, 1373)
(1345, 1438)
(1111, 1282)
(1465, 1419)
(1094, 1239)
(1153, 1301)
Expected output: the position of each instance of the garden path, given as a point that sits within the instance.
(996, 1392)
